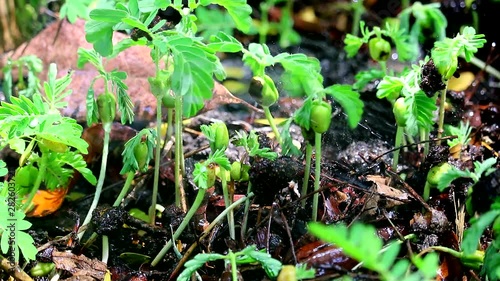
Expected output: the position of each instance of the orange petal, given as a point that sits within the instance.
(46, 202)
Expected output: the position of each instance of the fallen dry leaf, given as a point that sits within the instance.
(79, 265)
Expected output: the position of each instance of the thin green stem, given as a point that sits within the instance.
(102, 176)
(307, 172)
(317, 175)
(264, 22)
(405, 4)
(105, 249)
(156, 179)
(482, 65)
(125, 188)
(196, 204)
(170, 131)
(234, 270)
(397, 143)
(424, 136)
(427, 191)
(38, 181)
(358, 10)
(178, 150)
(383, 67)
(227, 201)
(216, 221)
(247, 208)
(270, 119)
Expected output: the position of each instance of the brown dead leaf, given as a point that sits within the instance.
(79, 265)
(394, 196)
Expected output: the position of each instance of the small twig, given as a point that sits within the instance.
(412, 144)
(410, 190)
(268, 233)
(290, 239)
(401, 237)
(14, 271)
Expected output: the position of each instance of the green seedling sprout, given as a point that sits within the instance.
(315, 115)
(422, 22)
(378, 44)
(412, 108)
(218, 138)
(160, 86)
(252, 147)
(103, 109)
(287, 36)
(445, 56)
(463, 137)
(191, 64)
(137, 154)
(400, 113)
(434, 177)
(249, 255)
(263, 90)
(204, 177)
(452, 173)
(40, 122)
(320, 119)
(33, 65)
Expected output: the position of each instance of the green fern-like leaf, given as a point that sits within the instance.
(446, 52)
(222, 42)
(350, 102)
(239, 11)
(130, 163)
(362, 244)
(24, 242)
(352, 45)
(287, 146)
(474, 232)
(359, 242)
(194, 65)
(421, 109)
(301, 72)
(390, 86)
(258, 57)
(25, 118)
(198, 261)
(363, 78)
(449, 176)
(61, 168)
